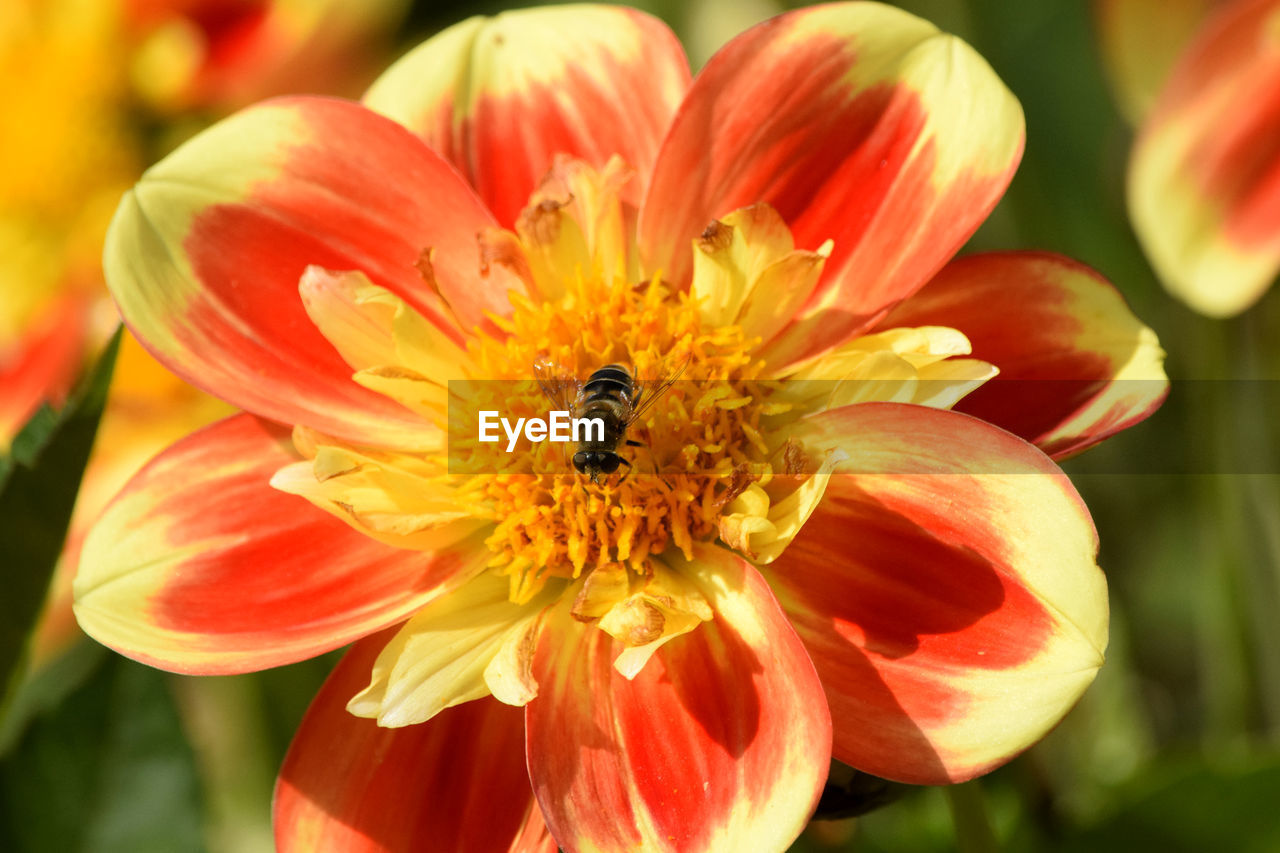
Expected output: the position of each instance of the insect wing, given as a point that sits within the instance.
(559, 384)
(650, 390)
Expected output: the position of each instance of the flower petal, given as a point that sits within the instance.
(762, 521)
(215, 56)
(1075, 365)
(746, 272)
(379, 498)
(720, 742)
(1204, 176)
(206, 253)
(41, 365)
(457, 783)
(948, 593)
(1140, 41)
(499, 97)
(897, 365)
(199, 566)
(859, 123)
(439, 658)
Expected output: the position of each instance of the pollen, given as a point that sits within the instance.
(716, 456)
(693, 448)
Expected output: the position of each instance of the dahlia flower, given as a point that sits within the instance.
(1202, 191)
(666, 659)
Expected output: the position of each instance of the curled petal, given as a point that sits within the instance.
(393, 349)
(500, 97)
(1075, 365)
(577, 224)
(383, 501)
(720, 743)
(858, 123)
(1204, 176)
(746, 272)
(457, 783)
(762, 521)
(205, 256)
(899, 365)
(664, 607)
(440, 657)
(199, 566)
(947, 592)
(338, 304)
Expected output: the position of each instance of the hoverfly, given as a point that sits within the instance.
(612, 394)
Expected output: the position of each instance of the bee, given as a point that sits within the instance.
(611, 394)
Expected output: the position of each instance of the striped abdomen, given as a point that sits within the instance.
(608, 394)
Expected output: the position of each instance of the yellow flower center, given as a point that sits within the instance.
(712, 467)
(695, 444)
(712, 462)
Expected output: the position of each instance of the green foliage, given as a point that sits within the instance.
(108, 771)
(38, 486)
(1190, 806)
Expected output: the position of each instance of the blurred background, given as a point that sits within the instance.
(1174, 747)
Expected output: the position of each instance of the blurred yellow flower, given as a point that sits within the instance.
(90, 89)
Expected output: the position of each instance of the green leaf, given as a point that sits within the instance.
(108, 771)
(38, 485)
(1191, 806)
(45, 687)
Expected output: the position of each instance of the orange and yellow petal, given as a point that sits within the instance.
(1075, 364)
(971, 614)
(391, 348)
(1204, 178)
(443, 655)
(577, 226)
(747, 272)
(41, 364)
(500, 97)
(762, 521)
(858, 123)
(902, 364)
(199, 566)
(457, 783)
(720, 743)
(220, 54)
(385, 499)
(1141, 41)
(147, 410)
(206, 253)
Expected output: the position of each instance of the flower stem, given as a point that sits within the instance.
(224, 722)
(1261, 489)
(969, 814)
(1226, 679)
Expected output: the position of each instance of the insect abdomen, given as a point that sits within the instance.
(607, 395)
(612, 380)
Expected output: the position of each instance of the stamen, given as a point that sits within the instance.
(712, 461)
(692, 442)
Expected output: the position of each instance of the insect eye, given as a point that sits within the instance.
(580, 461)
(609, 464)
